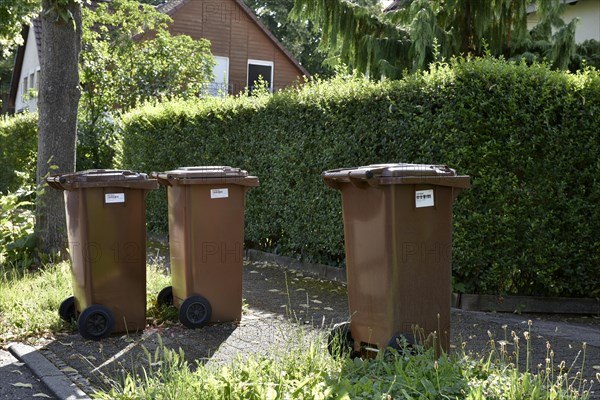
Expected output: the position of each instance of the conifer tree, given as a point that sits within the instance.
(407, 36)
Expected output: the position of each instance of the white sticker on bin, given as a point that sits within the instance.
(219, 193)
(114, 198)
(424, 198)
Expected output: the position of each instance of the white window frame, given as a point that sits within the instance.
(263, 63)
(224, 90)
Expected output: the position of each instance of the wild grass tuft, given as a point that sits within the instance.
(29, 301)
(307, 371)
(289, 372)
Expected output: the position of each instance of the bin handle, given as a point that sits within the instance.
(164, 179)
(361, 178)
(57, 182)
(170, 180)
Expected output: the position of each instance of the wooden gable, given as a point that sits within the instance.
(236, 34)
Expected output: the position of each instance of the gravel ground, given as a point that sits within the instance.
(279, 301)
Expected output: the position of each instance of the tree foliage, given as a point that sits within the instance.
(360, 38)
(14, 14)
(300, 37)
(410, 36)
(128, 58)
(588, 53)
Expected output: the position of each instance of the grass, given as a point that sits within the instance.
(301, 368)
(308, 372)
(29, 301)
(26, 317)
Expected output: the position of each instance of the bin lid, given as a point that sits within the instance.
(206, 175)
(399, 173)
(102, 178)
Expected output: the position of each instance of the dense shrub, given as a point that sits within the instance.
(17, 240)
(18, 149)
(528, 137)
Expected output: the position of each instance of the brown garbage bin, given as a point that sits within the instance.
(398, 238)
(106, 223)
(206, 241)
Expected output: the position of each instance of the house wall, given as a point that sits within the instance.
(234, 35)
(588, 12)
(30, 70)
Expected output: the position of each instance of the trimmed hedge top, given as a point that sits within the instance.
(528, 136)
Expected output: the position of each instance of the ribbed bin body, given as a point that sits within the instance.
(106, 223)
(398, 239)
(206, 235)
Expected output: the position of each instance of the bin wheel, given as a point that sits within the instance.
(403, 343)
(95, 322)
(66, 311)
(165, 296)
(195, 311)
(340, 342)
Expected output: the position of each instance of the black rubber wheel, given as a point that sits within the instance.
(403, 343)
(339, 341)
(95, 322)
(195, 311)
(165, 296)
(67, 310)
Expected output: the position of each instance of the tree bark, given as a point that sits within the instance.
(467, 39)
(57, 128)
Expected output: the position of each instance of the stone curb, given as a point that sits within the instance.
(527, 304)
(56, 381)
(320, 271)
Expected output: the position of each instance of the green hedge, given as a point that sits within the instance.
(528, 137)
(18, 149)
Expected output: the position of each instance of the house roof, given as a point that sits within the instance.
(172, 6)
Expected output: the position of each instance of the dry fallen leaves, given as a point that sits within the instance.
(22, 385)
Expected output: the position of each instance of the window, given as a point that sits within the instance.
(260, 69)
(32, 80)
(220, 86)
(25, 86)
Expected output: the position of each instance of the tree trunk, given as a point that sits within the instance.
(57, 128)
(467, 39)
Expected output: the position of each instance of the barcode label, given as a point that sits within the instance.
(219, 193)
(424, 198)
